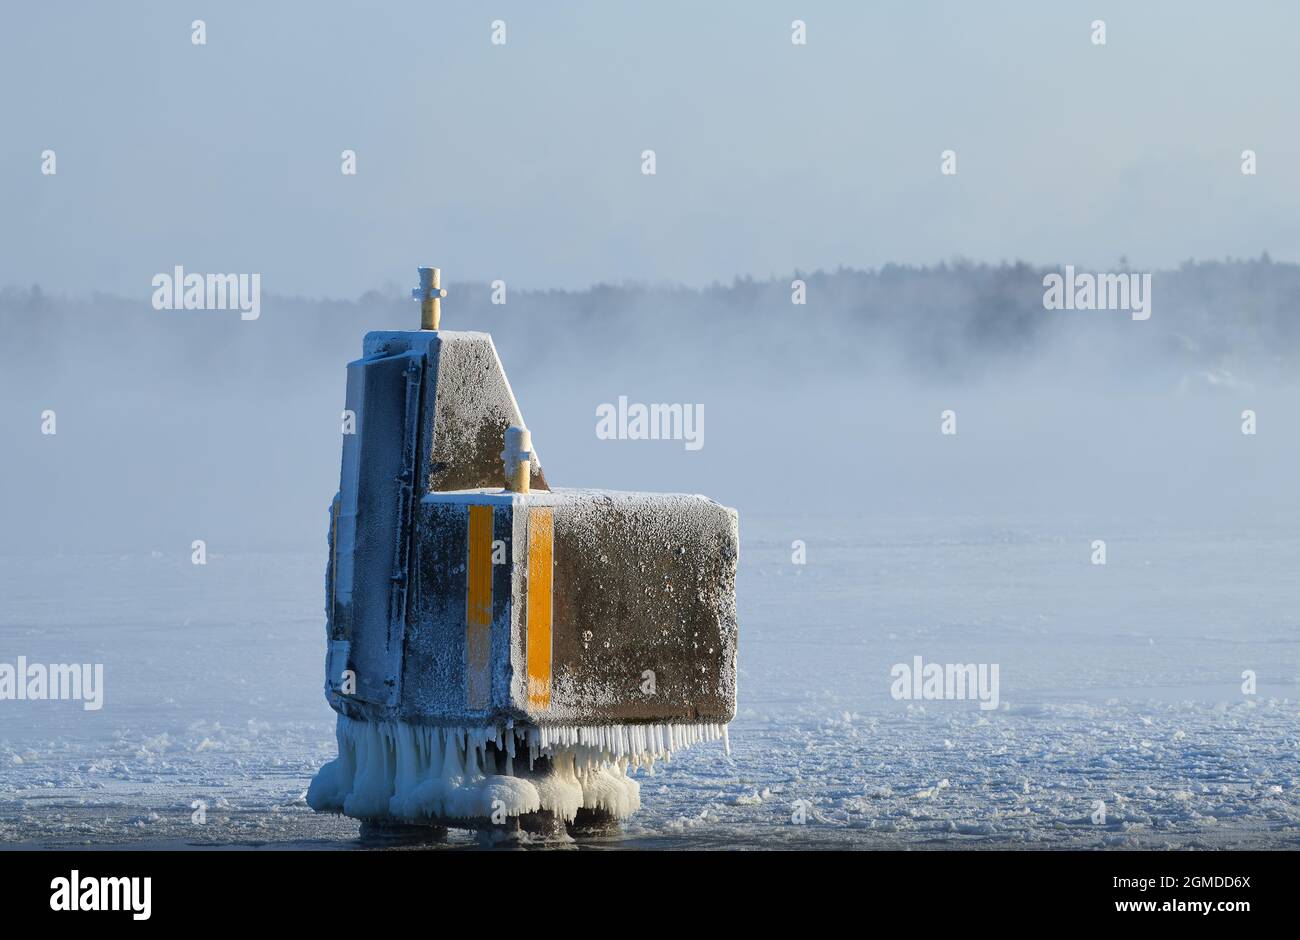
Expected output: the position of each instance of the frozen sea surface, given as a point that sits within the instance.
(1119, 683)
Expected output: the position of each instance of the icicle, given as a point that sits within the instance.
(403, 771)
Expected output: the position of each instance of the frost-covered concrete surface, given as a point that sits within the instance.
(1119, 683)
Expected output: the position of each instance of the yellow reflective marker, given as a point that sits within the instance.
(540, 557)
(478, 609)
(334, 559)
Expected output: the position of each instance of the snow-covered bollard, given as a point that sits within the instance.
(506, 657)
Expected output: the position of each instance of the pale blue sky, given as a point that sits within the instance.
(523, 162)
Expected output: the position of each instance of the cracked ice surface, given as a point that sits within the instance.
(1120, 684)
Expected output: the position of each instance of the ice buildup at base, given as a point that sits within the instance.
(501, 652)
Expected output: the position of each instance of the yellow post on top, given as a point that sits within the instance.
(429, 294)
(518, 458)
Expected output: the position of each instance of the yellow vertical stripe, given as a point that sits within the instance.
(540, 557)
(478, 609)
(334, 560)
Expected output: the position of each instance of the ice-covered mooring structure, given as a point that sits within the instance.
(500, 653)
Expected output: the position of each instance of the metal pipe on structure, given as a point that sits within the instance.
(517, 458)
(429, 294)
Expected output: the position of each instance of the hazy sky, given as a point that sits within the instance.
(523, 161)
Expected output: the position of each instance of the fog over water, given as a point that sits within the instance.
(177, 425)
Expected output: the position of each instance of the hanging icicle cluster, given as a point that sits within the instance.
(421, 772)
